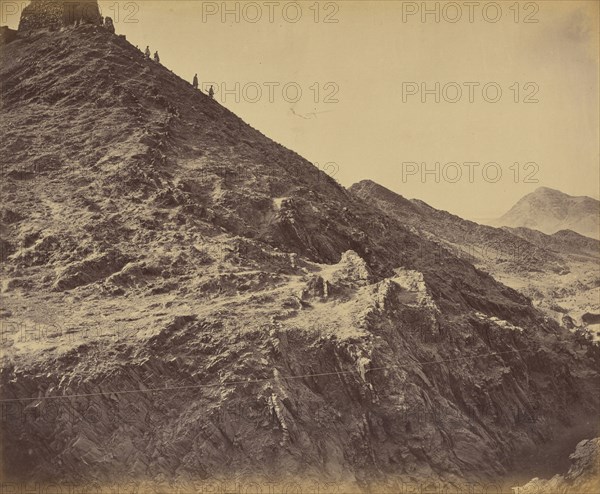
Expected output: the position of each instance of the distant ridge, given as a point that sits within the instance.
(494, 247)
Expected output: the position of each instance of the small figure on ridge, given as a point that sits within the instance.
(211, 92)
(147, 52)
(195, 82)
(108, 24)
(156, 57)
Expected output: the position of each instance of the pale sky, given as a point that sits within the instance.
(369, 55)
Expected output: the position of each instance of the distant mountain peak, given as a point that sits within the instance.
(550, 210)
(548, 190)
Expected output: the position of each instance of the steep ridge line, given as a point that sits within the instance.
(298, 226)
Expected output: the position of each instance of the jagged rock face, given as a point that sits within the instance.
(54, 14)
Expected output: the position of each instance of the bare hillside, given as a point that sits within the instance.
(184, 299)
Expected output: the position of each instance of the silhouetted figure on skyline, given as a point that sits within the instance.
(195, 82)
(156, 57)
(108, 24)
(147, 52)
(211, 92)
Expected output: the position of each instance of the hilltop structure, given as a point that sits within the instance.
(54, 14)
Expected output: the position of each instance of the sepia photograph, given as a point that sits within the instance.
(299, 247)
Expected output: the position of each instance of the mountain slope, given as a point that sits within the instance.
(549, 211)
(185, 300)
(564, 241)
(489, 247)
(558, 272)
(129, 136)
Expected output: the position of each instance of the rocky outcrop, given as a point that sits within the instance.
(590, 318)
(582, 477)
(54, 14)
(93, 268)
